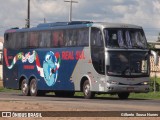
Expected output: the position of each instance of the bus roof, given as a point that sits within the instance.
(73, 24)
(115, 25)
(64, 23)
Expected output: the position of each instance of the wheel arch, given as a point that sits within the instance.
(32, 77)
(20, 81)
(84, 78)
(28, 80)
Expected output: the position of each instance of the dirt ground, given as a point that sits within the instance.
(40, 106)
(44, 106)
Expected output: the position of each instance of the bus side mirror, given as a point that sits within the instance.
(155, 57)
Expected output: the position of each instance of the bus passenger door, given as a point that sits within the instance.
(98, 58)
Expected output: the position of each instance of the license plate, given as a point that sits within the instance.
(130, 88)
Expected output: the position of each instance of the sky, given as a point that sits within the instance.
(145, 13)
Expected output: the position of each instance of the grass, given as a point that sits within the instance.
(157, 85)
(2, 89)
(150, 95)
(157, 80)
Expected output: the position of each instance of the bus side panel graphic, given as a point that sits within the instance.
(48, 66)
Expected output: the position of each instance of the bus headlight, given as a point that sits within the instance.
(145, 83)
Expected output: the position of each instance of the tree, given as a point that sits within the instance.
(151, 46)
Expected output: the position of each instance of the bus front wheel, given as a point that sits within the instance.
(86, 90)
(123, 95)
(25, 88)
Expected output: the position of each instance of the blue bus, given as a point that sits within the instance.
(78, 56)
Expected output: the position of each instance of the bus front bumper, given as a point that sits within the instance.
(112, 88)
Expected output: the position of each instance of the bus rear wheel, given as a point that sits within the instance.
(86, 90)
(123, 95)
(25, 88)
(33, 87)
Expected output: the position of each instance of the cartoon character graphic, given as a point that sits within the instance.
(50, 67)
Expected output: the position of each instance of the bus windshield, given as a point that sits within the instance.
(125, 38)
(128, 63)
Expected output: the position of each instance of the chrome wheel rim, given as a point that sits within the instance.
(87, 89)
(33, 88)
(24, 88)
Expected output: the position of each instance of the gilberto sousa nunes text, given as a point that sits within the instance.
(139, 114)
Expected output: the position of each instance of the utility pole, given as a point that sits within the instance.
(28, 15)
(45, 20)
(70, 10)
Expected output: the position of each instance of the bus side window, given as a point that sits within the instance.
(11, 42)
(45, 38)
(8, 43)
(97, 50)
(83, 37)
(65, 38)
(57, 39)
(33, 39)
(61, 39)
(71, 38)
(24, 39)
(18, 41)
(97, 39)
(74, 37)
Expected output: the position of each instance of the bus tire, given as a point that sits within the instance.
(33, 87)
(25, 88)
(86, 90)
(123, 95)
